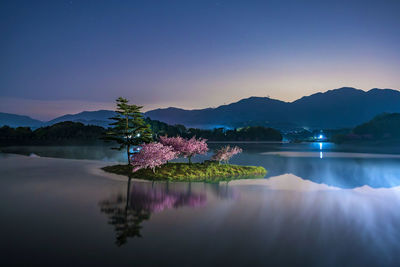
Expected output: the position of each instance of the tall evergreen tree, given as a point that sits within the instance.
(129, 127)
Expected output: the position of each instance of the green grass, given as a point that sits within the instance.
(195, 172)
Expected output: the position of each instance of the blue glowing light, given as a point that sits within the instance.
(136, 149)
(320, 151)
(320, 136)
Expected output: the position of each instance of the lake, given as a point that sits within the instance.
(320, 204)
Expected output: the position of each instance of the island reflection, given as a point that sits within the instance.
(127, 212)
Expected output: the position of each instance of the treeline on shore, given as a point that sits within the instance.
(383, 128)
(63, 133)
(76, 133)
(250, 133)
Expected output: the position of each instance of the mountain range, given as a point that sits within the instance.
(98, 117)
(343, 107)
(14, 120)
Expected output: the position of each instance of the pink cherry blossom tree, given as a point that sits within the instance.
(193, 147)
(224, 154)
(175, 142)
(152, 155)
(186, 148)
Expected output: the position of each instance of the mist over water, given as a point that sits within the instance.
(345, 166)
(340, 209)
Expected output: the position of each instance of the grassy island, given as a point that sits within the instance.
(195, 172)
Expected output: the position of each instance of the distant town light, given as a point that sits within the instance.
(320, 136)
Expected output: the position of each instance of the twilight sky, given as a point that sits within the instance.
(60, 57)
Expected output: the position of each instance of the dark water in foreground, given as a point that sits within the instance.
(334, 209)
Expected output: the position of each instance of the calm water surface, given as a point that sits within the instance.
(319, 205)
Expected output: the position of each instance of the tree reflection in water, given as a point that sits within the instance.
(127, 213)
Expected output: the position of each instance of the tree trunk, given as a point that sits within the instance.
(190, 159)
(128, 153)
(127, 138)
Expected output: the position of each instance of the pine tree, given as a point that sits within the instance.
(129, 128)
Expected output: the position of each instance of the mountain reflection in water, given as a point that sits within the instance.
(280, 215)
(283, 220)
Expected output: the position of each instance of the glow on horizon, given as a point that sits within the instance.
(50, 109)
(190, 54)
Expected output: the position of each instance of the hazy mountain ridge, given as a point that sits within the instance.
(98, 117)
(85, 115)
(343, 107)
(14, 120)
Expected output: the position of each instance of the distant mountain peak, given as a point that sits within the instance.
(258, 98)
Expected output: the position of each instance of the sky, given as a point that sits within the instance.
(59, 57)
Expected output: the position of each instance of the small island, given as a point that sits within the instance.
(207, 171)
(150, 156)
